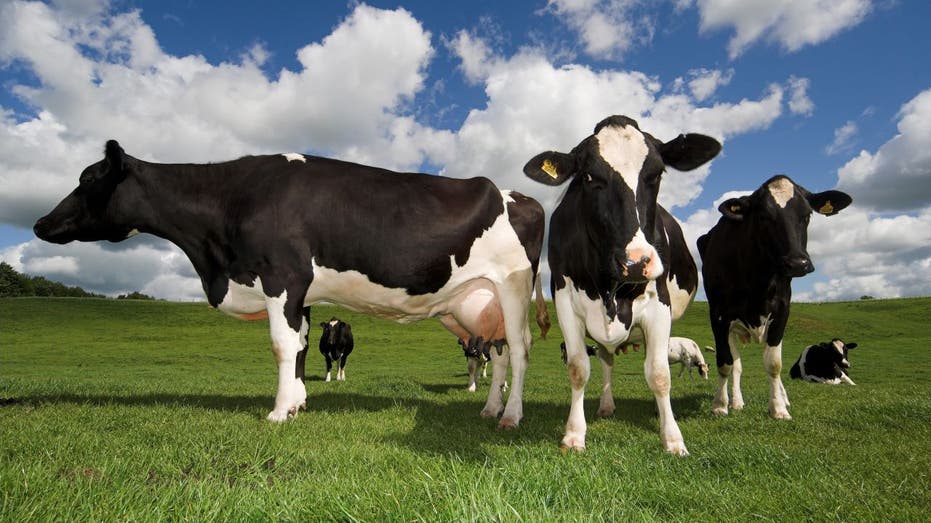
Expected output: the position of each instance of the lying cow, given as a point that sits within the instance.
(336, 344)
(824, 363)
(749, 259)
(621, 270)
(687, 352)
(269, 235)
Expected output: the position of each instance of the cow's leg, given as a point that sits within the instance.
(514, 297)
(499, 368)
(329, 366)
(737, 398)
(846, 379)
(302, 356)
(472, 365)
(283, 316)
(772, 364)
(606, 405)
(341, 375)
(656, 327)
(578, 367)
(724, 360)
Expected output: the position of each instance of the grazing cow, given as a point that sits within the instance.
(687, 352)
(749, 259)
(335, 345)
(824, 363)
(270, 234)
(621, 270)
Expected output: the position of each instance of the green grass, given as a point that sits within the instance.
(139, 411)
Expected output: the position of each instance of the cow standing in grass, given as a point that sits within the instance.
(270, 234)
(336, 344)
(749, 259)
(621, 270)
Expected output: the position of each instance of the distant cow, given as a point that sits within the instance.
(271, 234)
(687, 352)
(749, 259)
(621, 270)
(824, 363)
(336, 344)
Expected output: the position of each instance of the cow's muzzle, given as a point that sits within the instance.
(797, 265)
(53, 231)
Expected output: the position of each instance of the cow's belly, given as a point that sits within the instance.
(748, 333)
(246, 302)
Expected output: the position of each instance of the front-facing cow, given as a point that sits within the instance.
(748, 261)
(621, 270)
(271, 234)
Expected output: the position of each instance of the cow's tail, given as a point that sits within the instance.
(543, 315)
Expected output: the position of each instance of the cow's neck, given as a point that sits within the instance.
(181, 204)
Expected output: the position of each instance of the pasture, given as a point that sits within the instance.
(140, 411)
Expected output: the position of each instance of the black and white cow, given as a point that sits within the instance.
(749, 259)
(269, 234)
(621, 270)
(824, 363)
(687, 353)
(336, 344)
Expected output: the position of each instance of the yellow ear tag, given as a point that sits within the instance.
(827, 208)
(549, 169)
(735, 208)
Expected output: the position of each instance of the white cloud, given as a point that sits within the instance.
(843, 137)
(792, 24)
(799, 102)
(607, 28)
(350, 99)
(897, 177)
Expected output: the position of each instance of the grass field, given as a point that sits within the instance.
(138, 411)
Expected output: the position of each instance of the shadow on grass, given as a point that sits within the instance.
(441, 428)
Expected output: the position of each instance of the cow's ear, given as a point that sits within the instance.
(829, 203)
(551, 167)
(849, 346)
(323, 324)
(114, 156)
(688, 151)
(735, 208)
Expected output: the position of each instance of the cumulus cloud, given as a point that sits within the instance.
(799, 102)
(789, 23)
(351, 97)
(897, 176)
(607, 28)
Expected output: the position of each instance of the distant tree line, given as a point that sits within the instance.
(14, 284)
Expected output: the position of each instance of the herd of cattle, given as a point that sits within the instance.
(271, 235)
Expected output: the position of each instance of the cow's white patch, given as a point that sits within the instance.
(838, 346)
(243, 300)
(625, 149)
(747, 334)
(295, 157)
(679, 298)
(782, 191)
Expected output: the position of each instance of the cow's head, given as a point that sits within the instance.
(615, 176)
(94, 210)
(334, 331)
(778, 212)
(838, 350)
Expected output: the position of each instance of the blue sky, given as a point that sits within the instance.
(834, 93)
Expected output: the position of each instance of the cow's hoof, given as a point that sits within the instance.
(276, 416)
(573, 443)
(676, 448)
(737, 405)
(507, 424)
(489, 413)
(719, 411)
(781, 415)
(605, 412)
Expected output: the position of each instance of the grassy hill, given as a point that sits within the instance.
(134, 410)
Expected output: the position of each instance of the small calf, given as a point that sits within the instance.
(335, 345)
(687, 352)
(824, 363)
(478, 353)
